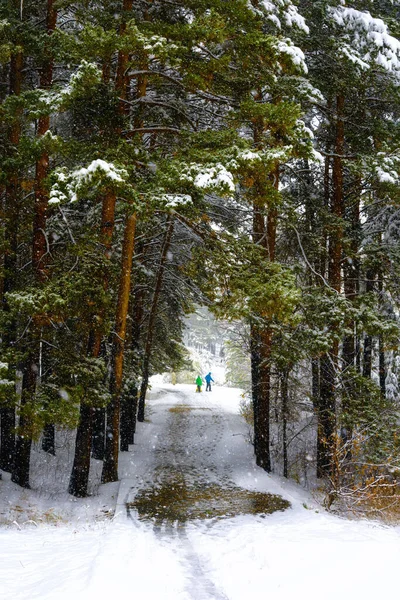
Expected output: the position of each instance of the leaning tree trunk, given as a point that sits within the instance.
(110, 464)
(152, 318)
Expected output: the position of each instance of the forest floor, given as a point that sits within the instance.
(192, 518)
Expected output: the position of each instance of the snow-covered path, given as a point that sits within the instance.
(192, 441)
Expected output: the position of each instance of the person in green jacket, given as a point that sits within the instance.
(199, 383)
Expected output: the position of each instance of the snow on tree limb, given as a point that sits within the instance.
(366, 39)
(68, 187)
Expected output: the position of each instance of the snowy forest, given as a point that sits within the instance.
(243, 155)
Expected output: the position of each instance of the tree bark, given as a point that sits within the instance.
(382, 367)
(98, 433)
(152, 318)
(98, 415)
(351, 288)
(128, 418)
(261, 345)
(255, 381)
(368, 340)
(78, 483)
(14, 451)
(39, 245)
(382, 361)
(329, 361)
(110, 465)
(107, 227)
(81, 467)
(7, 414)
(326, 417)
(21, 466)
(285, 417)
(49, 439)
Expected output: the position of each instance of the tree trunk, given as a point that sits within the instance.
(81, 465)
(263, 235)
(261, 344)
(136, 327)
(39, 245)
(7, 439)
(98, 433)
(107, 228)
(382, 362)
(121, 81)
(128, 418)
(266, 236)
(382, 367)
(152, 318)
(329, 361)
(337, 205)
(8, 419)
(21, 467)
(78, 483)
(98, 415)
(285, 416)
(255, 381)
(351, 288)
(49, 439)
(326, 417)
(263, 456)
(110, 465)
(315, 374)
(368, 340)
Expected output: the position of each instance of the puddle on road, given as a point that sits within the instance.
(184, 408)
(175, 501)
(186, 486)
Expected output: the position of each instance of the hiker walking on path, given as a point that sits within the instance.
(199, 383)
(208, 379)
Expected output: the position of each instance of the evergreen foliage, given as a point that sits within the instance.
(241, 154)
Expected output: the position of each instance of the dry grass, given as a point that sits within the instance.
(382, 502)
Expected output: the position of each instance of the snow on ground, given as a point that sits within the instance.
(303, 551)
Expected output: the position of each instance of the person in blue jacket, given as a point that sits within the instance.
(208, 379)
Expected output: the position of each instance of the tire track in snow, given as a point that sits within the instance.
(188, 451)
